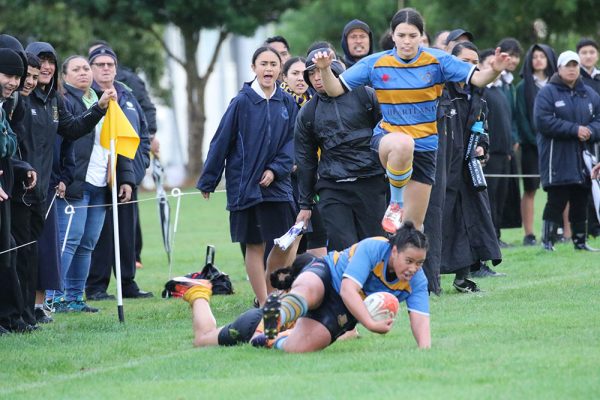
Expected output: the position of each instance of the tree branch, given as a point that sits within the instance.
(222, 36)
(170, 53)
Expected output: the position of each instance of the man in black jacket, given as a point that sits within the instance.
(351, 184)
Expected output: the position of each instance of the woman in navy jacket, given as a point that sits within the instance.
(567, 116)
(254, 144)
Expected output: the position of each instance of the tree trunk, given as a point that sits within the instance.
(195, 106)
(196, 85)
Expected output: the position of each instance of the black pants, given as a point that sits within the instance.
(103, 257)
(138, 240)
(27, 224)
(497, 187)
(352, 211)
(11, 297)
(558, 196)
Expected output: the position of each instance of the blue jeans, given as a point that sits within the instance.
(83, 236)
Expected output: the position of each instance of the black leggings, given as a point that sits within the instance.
(559, 196)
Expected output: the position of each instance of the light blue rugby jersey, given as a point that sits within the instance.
(366, 263)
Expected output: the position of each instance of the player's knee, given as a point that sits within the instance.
(399, 144)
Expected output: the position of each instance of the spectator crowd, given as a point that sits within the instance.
(431, 130)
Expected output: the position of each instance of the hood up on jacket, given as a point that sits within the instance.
(38, 48)
(527, 73)
(355, 24)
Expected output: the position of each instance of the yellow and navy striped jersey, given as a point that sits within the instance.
(408, 91)
(366, 263)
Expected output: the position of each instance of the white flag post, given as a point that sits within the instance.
(115, 212)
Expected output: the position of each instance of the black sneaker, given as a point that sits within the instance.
(4, 331)
(504, 245)
(271, 314)
(485, 272)
(529, 240)
(465, 286)
(41, 316)
(21, 326)
(99, 296)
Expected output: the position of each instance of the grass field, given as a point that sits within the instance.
(534, 334)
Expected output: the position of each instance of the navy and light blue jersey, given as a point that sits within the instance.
(408, 91)
(366, 263)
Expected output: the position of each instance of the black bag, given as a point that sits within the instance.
(221, 284)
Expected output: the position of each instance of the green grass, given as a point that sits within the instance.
(533, 334)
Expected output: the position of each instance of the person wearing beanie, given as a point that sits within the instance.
(103, 61)
(567, 118)
(11, 71)
(357, 42)
(128, 77)
(44, 118)
(347, 177)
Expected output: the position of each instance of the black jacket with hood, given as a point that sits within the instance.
(348, 59)
(527, 90)
(45, 115)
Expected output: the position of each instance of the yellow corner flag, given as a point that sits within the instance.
(117, 126)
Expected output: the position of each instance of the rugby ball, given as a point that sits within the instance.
(382, 305)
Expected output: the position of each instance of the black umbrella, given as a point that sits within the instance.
(164, 210)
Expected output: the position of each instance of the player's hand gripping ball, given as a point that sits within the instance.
(382, 305)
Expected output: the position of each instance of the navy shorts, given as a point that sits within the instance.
(332, 312)
(423, 162)
(262, 222)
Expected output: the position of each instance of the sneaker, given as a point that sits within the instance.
(504, 245)
(99, 296)
(42, 316)
(485, 272)
(465, 286)
(529, 240)
(184, 283)
(59, 305)
(80, 306)
(392, 220)
(271, 315)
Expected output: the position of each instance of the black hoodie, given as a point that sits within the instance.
(354, 24)
(527, 90)
(45, 115)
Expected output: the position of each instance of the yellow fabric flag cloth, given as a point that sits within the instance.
(117, 126)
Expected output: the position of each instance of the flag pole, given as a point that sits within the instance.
(115, 212)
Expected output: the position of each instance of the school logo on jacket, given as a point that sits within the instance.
(284, 113)
(33, 112)
(591, 108)
(130, 105)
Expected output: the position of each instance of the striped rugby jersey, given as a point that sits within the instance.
(408, 91)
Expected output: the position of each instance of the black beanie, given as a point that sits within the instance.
(102, 51)
(11, 63)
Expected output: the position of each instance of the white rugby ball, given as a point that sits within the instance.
(382, 305)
